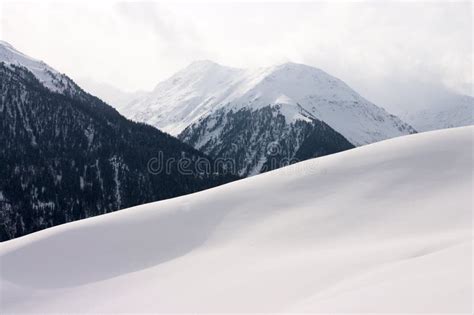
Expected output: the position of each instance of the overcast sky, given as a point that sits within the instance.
(383, 50)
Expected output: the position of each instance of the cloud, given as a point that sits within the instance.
(176, 37)
(370, 45)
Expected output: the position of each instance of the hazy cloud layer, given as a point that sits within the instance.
(386, 51)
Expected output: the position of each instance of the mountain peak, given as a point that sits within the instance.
(49, 77)
(9, 54)
(204, 64)
(299, 90)
(291, 64)
(299, 67)
(6, 44)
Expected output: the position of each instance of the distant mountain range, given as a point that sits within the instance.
(66, 155)
(245, 114)
(452, 110)
(108, 93)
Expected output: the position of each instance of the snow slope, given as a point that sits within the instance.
(385, 227)
(205, 87)
(50, 78)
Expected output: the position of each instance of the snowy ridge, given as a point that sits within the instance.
(382, 228)
(50, 78)
(185, 97)
(205, 87)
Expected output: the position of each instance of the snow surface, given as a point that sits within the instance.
(50, 78)
(385, 227)
(204, 87)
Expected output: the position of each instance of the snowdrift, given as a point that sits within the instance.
(385, 227)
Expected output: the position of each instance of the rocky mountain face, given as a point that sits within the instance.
(256, 141)
(66, 155)
(241, 113)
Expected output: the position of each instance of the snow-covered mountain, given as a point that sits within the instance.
(384, 228)
(239, 113)
(300, 91)
(453, 110)
(49, 77)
